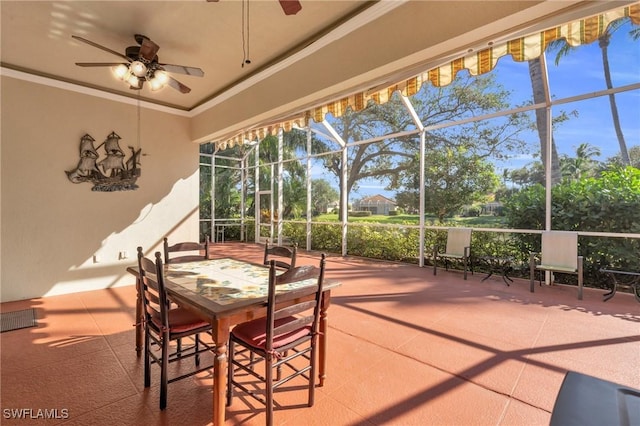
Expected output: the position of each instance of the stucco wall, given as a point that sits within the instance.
(51, 228)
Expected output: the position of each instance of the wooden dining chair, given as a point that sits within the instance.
(285, 257)
(163, 325)
(189, 251)
(289, 332)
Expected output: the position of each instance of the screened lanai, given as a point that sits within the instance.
(537, 131)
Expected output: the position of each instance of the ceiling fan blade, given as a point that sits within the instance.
(106, 49)
(177, 85)
(148, 49)
(182, 69)
(290, 7)
(98, 64)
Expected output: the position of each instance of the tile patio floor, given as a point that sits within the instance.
(405, 348)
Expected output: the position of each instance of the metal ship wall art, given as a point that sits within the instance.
(112, 171)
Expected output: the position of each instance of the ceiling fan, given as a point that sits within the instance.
(289, 7)
(142, 65)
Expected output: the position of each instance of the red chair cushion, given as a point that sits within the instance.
(181, 320)
(254, 334)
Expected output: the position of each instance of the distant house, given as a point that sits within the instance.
(333, 205)
(376, 204)
(493, 207)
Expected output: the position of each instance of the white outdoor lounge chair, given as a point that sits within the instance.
(458, 247)
(559, 253)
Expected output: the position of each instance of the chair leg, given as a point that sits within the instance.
(312, 372)
(580, 271)
(435, 256)
(147, 358)
(464, 267)
(465, 259)
(269, 387)
(164, 370)
(197, 346)
(532, 271)
(230, 354)
(278, 369)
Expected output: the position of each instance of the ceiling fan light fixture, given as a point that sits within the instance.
(138, 69)
(121, 72)
(134, 82)
(159, 80)
(141, 64)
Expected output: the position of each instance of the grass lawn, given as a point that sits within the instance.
(487, 221)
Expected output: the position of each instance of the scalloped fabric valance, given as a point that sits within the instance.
(525, 48)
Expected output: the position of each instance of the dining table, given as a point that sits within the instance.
(226, 292)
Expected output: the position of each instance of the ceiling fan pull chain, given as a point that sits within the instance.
(245, 30)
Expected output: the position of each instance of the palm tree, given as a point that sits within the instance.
(604, 41)
(294, 172)
(583, 164)
(537, 69)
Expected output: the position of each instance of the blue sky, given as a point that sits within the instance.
(582, 72)
(578, 73)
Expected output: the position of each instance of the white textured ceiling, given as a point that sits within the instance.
(330, 48)
(36, 37)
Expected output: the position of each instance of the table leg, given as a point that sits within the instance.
(506, 277)
(322, 339)
(611, 292)
(490, 273)
(220, 365)
(139, 317)
(506, 267)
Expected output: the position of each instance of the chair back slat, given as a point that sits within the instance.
(154, 298)
(151, 296)
(560, 249)
(457, 240)
(295, 309)
(190, 251)
(286, 257)
(275, 298)
(293, 325)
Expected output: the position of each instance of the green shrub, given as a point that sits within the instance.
(360, 213)
(472, 211)
(610, 203)
(386, 243)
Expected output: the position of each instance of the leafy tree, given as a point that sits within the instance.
(409, 199)
(227, 193)
(582, 165)
(391, 159)
(380, 160)
(634, 158)
(322, 194)
(294, 173)
(528, 175)
(454, 177)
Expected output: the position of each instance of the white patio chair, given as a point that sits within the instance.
(458, 248)
(559, 253)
